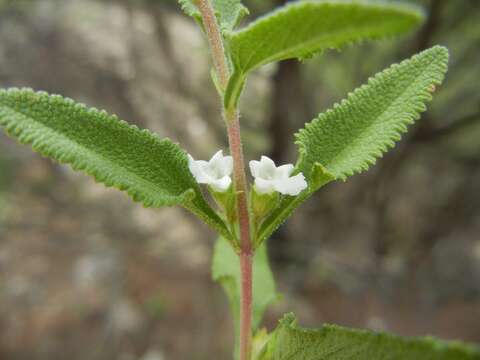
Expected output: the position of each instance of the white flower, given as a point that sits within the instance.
(269, 178)
(215, 172)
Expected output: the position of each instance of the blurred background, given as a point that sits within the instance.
(87, 274)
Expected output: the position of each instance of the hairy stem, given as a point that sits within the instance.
(215, 41)
(234, 138)
(246, 253)
(246, 262)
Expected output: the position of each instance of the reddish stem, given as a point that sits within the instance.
(215, 41)
(234, 138)
(246, 262)
(246, 253)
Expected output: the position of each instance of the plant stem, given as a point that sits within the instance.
(246, 252)
(246, 267)
(215, 41)
(234, 139)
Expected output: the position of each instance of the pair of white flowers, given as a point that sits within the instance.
(268, 177)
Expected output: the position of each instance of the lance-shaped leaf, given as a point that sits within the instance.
(226, 271)
(338, 343)
(304, 28)
(228, 12)
(151, 170)
(351, 136)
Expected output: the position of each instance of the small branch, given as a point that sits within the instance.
(215, 41)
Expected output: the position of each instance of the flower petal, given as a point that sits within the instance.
(215, 165)
(264, 186)
(267, 168)
(221, 185)
(227, 165)
(195, 169)
(284, 171)
(215, 172)
(216, 158)
(254, 168)
(291, 186)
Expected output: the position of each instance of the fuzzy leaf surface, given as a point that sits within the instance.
(226, 271)
(228, 12)
(151, 170)
(303, 28)
(332, 342)
(350, 137)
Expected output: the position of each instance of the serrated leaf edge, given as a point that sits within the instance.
(420, 106)
(290, 321)
(408, 9)
(51, 152)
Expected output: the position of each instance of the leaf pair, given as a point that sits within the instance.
(154, 171)
(339, 143)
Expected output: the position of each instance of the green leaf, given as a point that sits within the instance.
(350, 137)
(333, 342)
(226, 271)
(228, 12)
(304, 28)
(151, 170)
